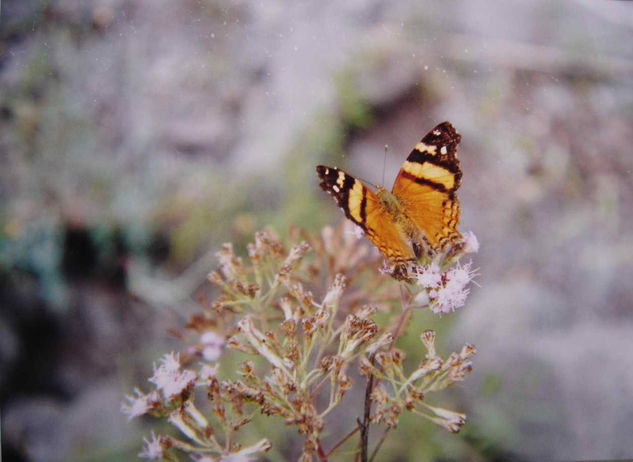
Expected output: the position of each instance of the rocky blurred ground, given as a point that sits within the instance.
(137, 135)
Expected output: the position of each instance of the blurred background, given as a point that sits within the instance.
(136, 136)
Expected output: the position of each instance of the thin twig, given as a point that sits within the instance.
(364, 429)
(320, 453)
(316, 388)
(345, 438)
(382, 440)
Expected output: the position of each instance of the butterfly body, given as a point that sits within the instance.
(389, 202)
(392, 206)
(421, 213)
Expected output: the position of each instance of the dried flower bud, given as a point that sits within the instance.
(321, 317)
(334, 292)
(294, 256)
(281, 381)
(290, 312)
(289, 327)
(271, 338)
(230, 265)
(453, 360)
(304, 297)
(384, 359)
(259, 343)
(390, 415)
(235, 343)
(215, 278)
(448, 419)
(468, 350)
(177, 419)
(428, 339)
(269, 239)
(266, 246)
(308, 326)
(213, 388)
(460, 371)
(245, 454)
(384, 340)
(292, 352)
(379, 395)
(366, 311)
(365, 366)
(195, 414)
(397, 356)
(426, 367)
(355, 332)
(247, 369)
(251, 289)
(269, 408)
(218, 305)
(344, 382)
(326, 363)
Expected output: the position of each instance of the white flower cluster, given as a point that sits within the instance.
(169, 378)
(444, 292)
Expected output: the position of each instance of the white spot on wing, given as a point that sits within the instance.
(341, 179)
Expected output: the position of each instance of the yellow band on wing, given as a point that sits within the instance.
(431, 172)
(354, 201)
(426, 148)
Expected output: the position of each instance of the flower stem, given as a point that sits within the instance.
(345, 438)
(364, 427)
(382, 440)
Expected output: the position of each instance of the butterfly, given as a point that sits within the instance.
(421, 213)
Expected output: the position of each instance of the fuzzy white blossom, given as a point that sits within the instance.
(152, 449)
(139, 405)
(471, 243)
(169, 378)
(205, 374)
(430, 277)
(452, 294)
(212, 344)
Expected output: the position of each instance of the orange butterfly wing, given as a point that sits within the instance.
(427, 183)
(362, 206)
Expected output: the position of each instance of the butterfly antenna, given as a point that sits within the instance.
(384, 164)
(367, 182)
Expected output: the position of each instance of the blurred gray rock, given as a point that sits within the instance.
(545, 385)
